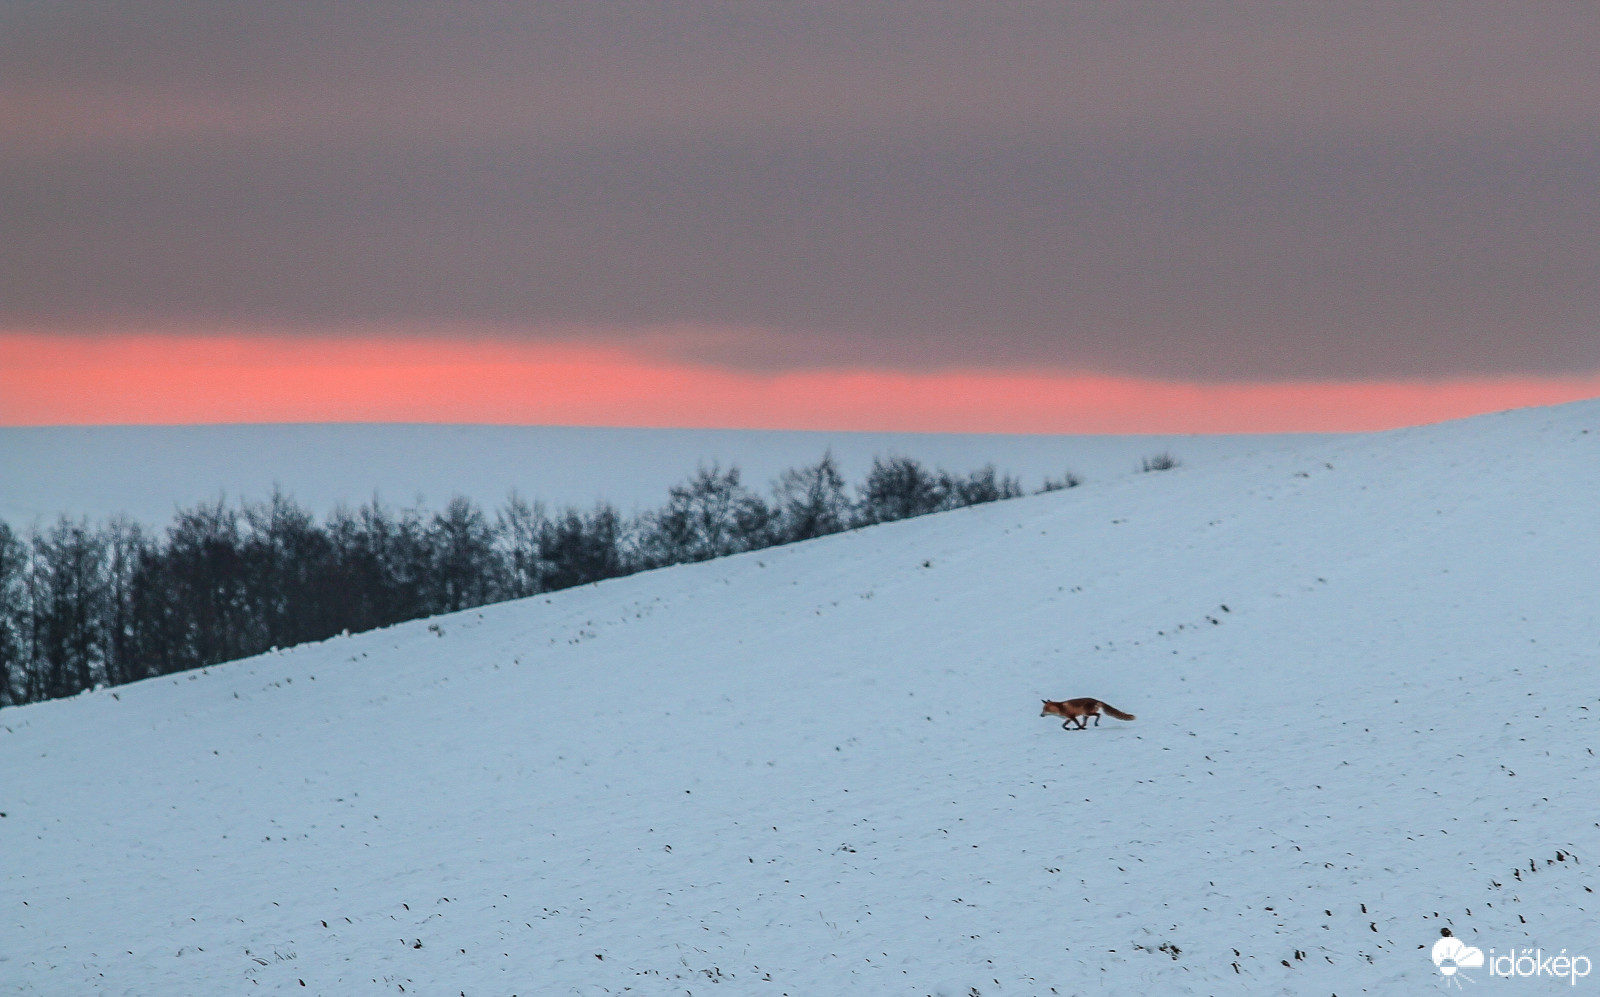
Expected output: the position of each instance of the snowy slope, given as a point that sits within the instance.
(1366, 682)
(148, 471)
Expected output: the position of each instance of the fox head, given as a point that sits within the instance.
(1047, 708)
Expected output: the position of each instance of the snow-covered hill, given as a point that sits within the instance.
(1367, 680)
(147, 472)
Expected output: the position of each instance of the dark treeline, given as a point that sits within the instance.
(83, 605)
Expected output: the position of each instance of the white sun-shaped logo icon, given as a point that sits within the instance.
(1452, 955)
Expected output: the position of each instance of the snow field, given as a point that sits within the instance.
(1365, 677)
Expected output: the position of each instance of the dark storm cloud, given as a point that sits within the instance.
(1177, 190)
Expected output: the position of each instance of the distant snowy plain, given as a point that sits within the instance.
(1366, 672)
(148, 472)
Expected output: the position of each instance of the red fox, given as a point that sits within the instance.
(1080, 710)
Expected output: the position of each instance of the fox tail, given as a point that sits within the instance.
(1114, 712)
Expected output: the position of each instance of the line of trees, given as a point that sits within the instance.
(85, 605)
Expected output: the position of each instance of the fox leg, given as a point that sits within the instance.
(1096, 720)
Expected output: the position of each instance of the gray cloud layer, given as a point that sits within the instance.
(1185, 190)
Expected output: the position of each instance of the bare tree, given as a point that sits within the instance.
(16, 618)
(983, 485)
(1067, 480)
(710, 515)
(517, 530)
(287, 562)
(205, 580)
(69, 607)
(125, 546)
(579, 548)
(898, 488)
(465, 568)
(810, 502)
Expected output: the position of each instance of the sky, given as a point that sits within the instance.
(1020, 217)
